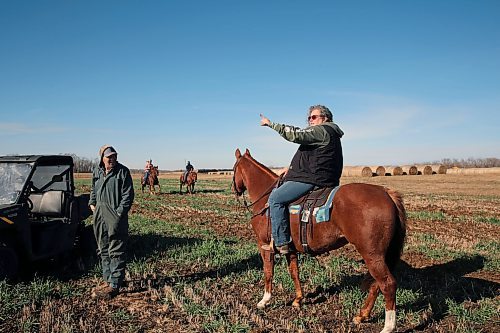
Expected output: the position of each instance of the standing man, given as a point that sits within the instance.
(317, 162)
(111, 197)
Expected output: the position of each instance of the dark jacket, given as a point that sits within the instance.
(319, 159)
(115, 189)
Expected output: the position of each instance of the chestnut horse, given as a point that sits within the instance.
(191, 179)
(151, 181)
(370, 217)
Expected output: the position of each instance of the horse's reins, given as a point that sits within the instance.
(248, 206)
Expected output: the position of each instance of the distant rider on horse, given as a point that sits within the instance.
(147, 169)
(189, 168)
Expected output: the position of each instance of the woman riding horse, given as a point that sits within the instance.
(370, 217)
(317, 162)
(151, 180)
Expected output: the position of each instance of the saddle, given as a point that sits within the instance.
(314, 207)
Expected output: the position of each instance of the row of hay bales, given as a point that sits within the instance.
(370, 171)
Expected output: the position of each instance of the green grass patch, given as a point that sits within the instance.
(426, 215)
(468, 315)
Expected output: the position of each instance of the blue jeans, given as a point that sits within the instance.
(278, 209)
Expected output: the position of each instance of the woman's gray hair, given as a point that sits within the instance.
(324, 111)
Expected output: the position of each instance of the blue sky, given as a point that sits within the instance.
(407, 81)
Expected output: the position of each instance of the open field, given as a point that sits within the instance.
(194, 267)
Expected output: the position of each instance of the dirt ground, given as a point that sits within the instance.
(456, 211)
(460, 198)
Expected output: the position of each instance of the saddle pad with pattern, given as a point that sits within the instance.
(323, 201)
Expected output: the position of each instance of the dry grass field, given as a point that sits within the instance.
(194, 267)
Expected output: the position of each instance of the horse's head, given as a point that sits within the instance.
(238, 186)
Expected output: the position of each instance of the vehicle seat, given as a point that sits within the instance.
(50, 203)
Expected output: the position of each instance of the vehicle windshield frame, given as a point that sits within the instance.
(13, 179)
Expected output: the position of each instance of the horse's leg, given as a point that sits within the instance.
(387, 284)
(373, 291)
(180, 188)
(293, 269)
(268, 259)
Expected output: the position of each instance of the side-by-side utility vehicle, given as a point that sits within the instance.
(40, 215)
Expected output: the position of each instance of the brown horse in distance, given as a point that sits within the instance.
(151, 181)
(370, 217)
(191, 179)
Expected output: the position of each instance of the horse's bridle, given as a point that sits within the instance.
(238, 194)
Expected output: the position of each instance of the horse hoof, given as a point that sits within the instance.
(358, 320)
(261, 305)
(296, 304)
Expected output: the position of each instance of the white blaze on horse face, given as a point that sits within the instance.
(390, 322)
(265, 300)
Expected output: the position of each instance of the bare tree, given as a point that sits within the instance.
(470, 162)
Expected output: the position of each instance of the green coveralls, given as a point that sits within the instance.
(112, 195)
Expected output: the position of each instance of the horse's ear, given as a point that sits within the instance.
(247, 152)
(237, 153)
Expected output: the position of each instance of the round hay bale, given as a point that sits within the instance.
(356, 171)
(366, 172)
(439, 169)
(442, 170)
(396, 171)
(427, 170)
(379, 170)
(424, 169)
(410, 170)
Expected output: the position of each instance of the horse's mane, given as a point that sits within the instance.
(261, 166)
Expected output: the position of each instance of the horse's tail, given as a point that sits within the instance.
(398, 240)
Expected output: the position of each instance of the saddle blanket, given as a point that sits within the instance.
(322, 213)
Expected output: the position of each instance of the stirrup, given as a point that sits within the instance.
(268, 247)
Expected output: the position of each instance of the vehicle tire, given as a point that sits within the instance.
(9, 262)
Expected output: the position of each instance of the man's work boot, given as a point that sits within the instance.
(98, 289)
(283, 249)
(107, 293)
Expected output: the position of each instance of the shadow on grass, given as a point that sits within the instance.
(141, 246)
(84, 259)
(440, 282)
(435, 284)
(159, 281)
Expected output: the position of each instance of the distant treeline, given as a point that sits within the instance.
(84, 164)
(470, 162)
(213, 170)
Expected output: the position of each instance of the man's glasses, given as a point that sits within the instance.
(314, 117)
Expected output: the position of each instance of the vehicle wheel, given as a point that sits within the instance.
(9, 262)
